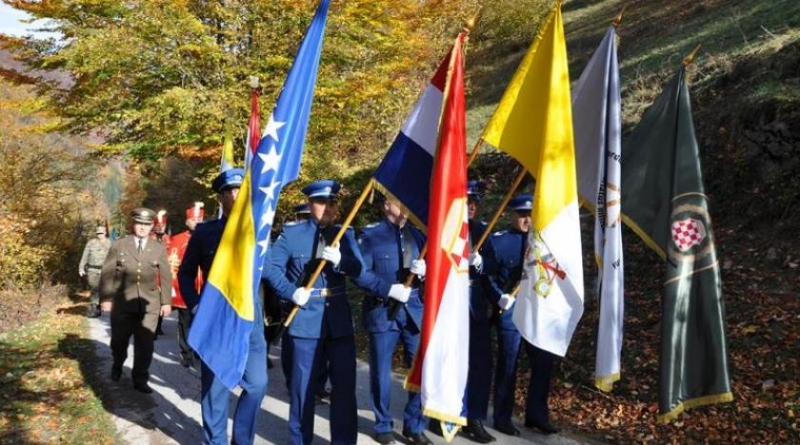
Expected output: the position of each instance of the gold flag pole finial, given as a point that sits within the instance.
(470, 23)
(690, 58)
(253, 82)
(618, 19)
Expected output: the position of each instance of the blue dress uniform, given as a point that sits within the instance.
(324, 325)
(480, 350)
(214, 396)
(388, 250)
(507, 254)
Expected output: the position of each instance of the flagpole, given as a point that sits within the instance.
(500, 209)
(310, 283)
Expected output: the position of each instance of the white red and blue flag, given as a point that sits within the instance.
(405, 170)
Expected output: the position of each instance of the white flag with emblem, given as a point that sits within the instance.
(596, 111)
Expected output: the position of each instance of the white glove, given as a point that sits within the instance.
(418, 268)
(301, 296)
(505, 302)
(475, 260)
(399, 292)
(332, 255)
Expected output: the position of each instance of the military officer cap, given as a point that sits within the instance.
(521, 203)
(231, 178)
(301, 209)
(474, 190)
(143, 215)
(100, 229)
(327, 189)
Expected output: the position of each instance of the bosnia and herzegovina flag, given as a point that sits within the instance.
(225, 315)
(533, 123)
(596, 116)
(666, 205)
(442, 360)
(411, 153)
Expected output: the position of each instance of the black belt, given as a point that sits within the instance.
(89, 266)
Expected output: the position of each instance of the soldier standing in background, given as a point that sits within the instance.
(480, 349)
(176, 249)
(509, 248)
(94, 254)
(130, 288)
(392, 313)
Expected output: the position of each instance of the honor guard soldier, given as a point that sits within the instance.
(214, 396)
(176, 251)
(390, 249)
(130, 287)
(509, 248)
(323, 325)
(480, 350)
(508, 253)
(94, 254)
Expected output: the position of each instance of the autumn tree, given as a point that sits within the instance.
(50, 194)
(159, 78)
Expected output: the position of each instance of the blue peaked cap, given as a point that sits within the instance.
(521, 202)
(474, 190)
(231, 178)
(326, 189)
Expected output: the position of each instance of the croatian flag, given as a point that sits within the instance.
(226, 312)
(411, 153)
(440, 366)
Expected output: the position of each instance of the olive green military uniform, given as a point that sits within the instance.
(138, 284)
(94, 254)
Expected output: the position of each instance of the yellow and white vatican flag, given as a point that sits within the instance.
(533, 123)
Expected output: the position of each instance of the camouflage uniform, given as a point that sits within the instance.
(94, 254)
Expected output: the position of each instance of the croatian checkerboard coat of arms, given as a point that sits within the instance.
(687, 233)
(690, 236)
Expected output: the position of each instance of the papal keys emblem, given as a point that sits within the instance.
(687, 233)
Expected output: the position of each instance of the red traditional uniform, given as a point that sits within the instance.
(175, 251)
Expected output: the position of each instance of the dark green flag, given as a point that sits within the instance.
(664, 203)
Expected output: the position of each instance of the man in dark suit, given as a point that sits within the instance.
(135, 288)
(393, 313)
(323, 326)
(214, 395)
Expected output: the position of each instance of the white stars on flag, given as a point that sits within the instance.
(271, 130)
(271, 159)
(269, 183)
